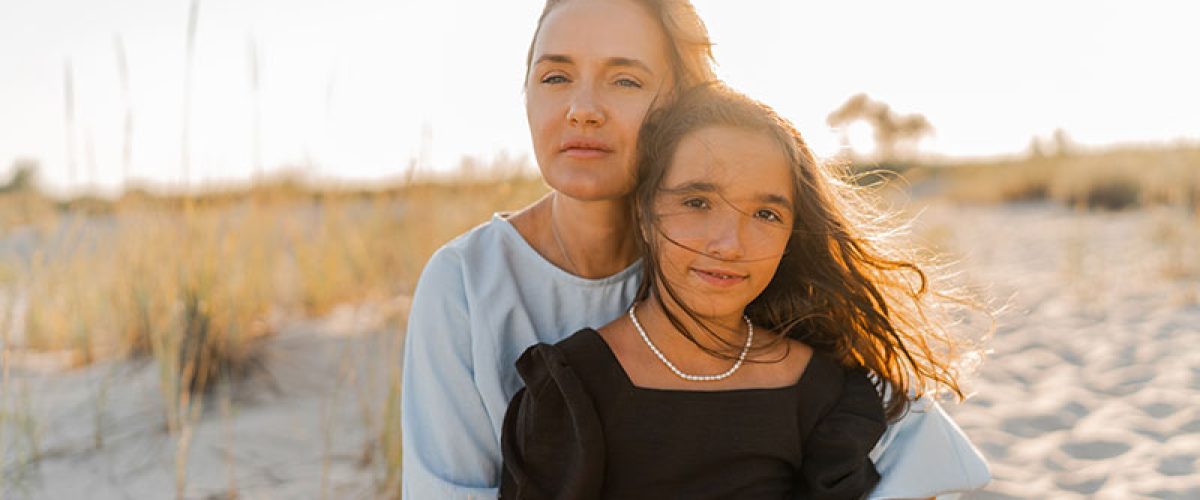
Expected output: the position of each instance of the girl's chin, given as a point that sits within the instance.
(721, 314)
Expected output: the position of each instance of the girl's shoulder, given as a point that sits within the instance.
(578, 359)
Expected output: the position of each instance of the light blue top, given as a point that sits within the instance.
(488, 295)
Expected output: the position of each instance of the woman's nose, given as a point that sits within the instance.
(585, 111)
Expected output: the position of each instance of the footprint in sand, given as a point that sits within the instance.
(1085, 486)
(1095, 449)
(1127, 381)
(1077, 409)
(1029, 427)
(1177, 465)
(1160, 410)
(1191, 494)
(1153, 432)
(1070, 356)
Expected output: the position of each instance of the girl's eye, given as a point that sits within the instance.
(768, 215)
(629, 83)
(695, 203)
(554, 79)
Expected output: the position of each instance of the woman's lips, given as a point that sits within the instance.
(585, 149)
(719, 277)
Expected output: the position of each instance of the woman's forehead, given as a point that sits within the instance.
(599, 30)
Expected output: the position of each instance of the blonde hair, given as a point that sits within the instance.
(689, 49)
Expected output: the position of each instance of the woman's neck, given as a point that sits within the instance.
(590, 239)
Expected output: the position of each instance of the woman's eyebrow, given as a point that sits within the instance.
(613, 62)
(554, 58)
(628, 62)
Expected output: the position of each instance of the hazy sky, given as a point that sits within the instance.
(355, 88)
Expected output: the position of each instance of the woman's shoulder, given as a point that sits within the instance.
(484, 250)
(474, 242)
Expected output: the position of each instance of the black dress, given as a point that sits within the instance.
(580, 429)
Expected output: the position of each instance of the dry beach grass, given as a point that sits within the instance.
(246, 342)
(183, 303)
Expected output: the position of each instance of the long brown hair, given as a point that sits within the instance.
(689, 48)
(843, 286)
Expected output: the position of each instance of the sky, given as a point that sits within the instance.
(362, 90)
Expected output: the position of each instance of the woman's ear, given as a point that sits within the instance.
(637, 220)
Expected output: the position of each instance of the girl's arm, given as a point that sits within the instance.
(552, 442)
(450, 449)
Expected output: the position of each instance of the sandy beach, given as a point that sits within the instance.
(306, 425)
(1093, 386)
(1090, 391)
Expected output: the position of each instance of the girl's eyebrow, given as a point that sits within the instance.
(613, 62)
(775, 199)
(708, 187)
(692, 187)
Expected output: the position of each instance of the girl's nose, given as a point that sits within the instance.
(726, 236)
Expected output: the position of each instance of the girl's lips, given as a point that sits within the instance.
(718, 278)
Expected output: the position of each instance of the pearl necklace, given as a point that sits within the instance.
(687, 376)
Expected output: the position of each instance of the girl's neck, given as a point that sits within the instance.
(652, 313)
(590, 239)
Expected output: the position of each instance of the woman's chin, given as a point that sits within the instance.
(584, 187)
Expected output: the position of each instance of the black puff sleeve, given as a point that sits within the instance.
(835, 464)
(552, 442)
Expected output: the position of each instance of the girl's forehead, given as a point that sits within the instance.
(730, 160)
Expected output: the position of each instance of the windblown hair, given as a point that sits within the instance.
(843, 286)
(689, 49)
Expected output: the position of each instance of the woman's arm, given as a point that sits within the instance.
(450, 449)
(925, 454)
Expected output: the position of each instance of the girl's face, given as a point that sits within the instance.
(596, 68)
(725, 213)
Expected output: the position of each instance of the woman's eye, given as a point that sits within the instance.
(554, 79)
(629, 83)
(695, 203)
(769, 216)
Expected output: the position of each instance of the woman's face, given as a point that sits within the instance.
(724, 217)
(597, 66)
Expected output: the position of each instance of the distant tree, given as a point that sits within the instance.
(1037, 149)
(1063, 145)
(24, 177)
(892, 131)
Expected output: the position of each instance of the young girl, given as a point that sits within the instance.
(743, 368)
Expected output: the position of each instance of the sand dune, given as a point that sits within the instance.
(295, 429)
(1093, 388)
